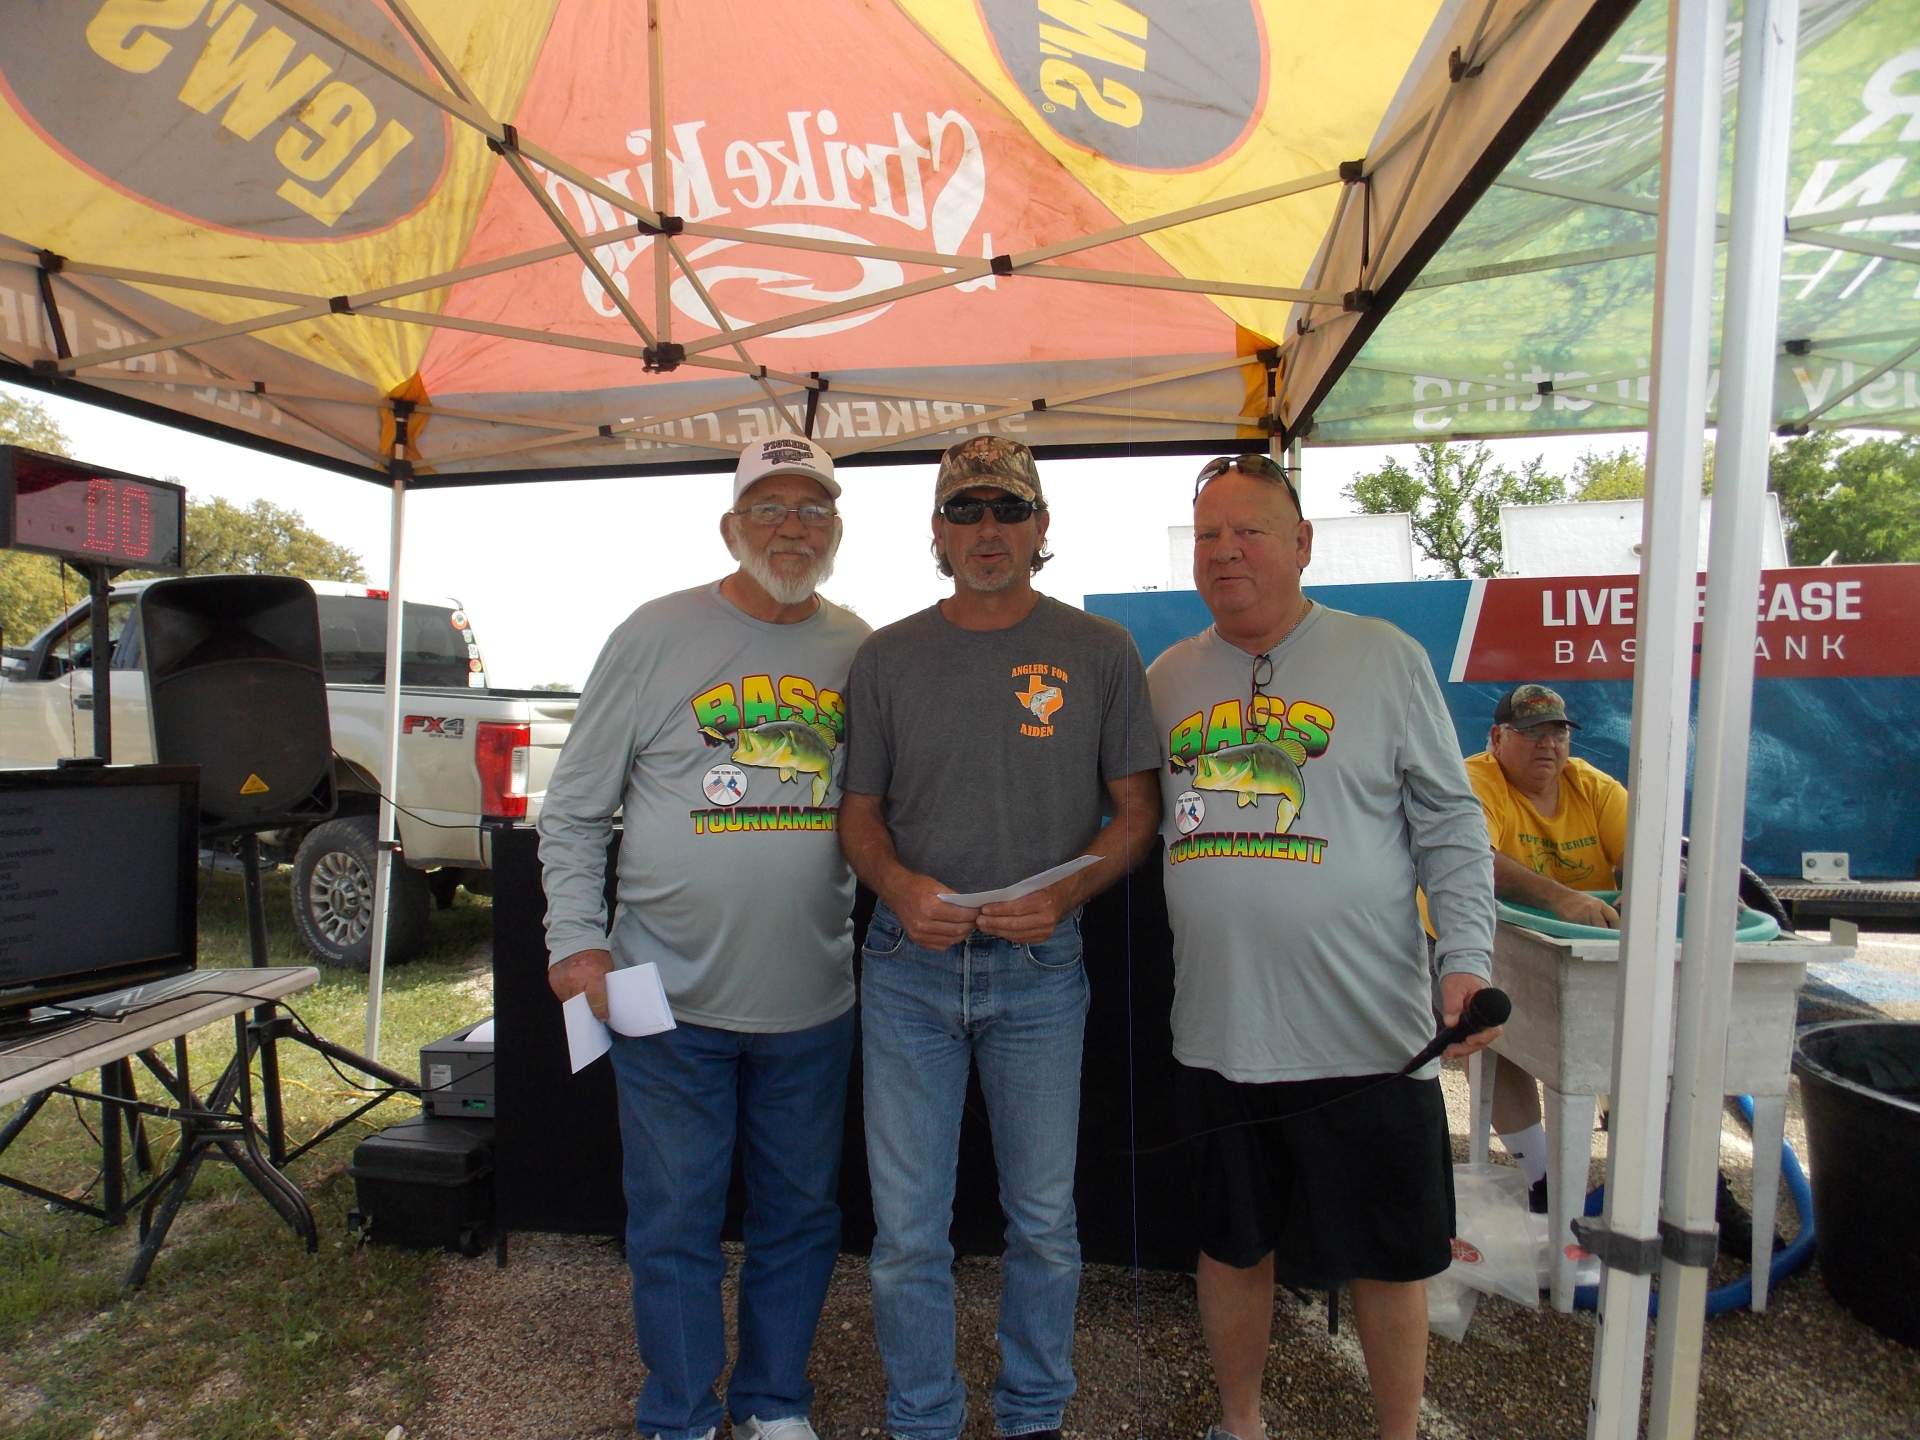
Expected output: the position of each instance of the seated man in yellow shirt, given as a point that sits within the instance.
(1559, 830)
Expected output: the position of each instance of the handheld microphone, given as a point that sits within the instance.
(1484, 1010)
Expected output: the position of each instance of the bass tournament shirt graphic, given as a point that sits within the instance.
(1250, 757)
(780, 737)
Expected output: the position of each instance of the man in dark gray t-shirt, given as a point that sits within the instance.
(986, 737)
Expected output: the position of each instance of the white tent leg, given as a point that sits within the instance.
(1696, 44)
(389, 784)
(1726, 701)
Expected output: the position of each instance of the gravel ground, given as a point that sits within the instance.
(543, 1348)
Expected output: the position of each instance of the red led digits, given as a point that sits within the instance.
(119, 520)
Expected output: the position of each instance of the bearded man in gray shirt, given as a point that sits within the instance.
(988, 733)
(713, 720)
(1313, 780)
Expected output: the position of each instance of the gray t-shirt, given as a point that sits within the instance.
(992, 748)
(719, 735)
(1296, 830)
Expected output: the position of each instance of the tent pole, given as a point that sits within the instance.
(384, 849)
(1643, 1027)
(1761, 149)
(662, 196)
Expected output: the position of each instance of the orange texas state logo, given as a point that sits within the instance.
(1045, 693)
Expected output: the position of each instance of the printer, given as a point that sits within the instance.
(456, 1073)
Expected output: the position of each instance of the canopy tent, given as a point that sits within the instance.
(1084, 221)
(312, 226)
(1536, 316)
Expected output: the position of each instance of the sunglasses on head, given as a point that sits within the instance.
(1006, 512)
(1260, 467)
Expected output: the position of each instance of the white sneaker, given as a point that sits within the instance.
(788, 1427)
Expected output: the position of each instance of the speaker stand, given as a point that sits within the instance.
(270, 1025)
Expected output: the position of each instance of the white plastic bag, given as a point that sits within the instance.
(1450, 1306)
(1493, 1243)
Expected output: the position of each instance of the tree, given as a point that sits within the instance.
(26, 422)
(1621, 475)
(1859, 503)
(33, 592)
(1454, 495)
(263, 539)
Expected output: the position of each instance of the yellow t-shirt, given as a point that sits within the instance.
(1581, 846)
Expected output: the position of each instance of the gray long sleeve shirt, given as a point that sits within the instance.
(720, 737)
(1296, 829)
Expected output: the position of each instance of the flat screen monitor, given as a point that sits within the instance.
(97, 880)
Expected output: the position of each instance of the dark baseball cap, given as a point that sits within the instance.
(988, 461)
(1526, 706)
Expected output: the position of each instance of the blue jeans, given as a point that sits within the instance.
(683, 1095)
(1018, 1012)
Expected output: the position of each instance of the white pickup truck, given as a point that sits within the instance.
(468, 754)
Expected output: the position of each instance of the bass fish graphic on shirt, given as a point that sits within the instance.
(791, 747)
(1252, 770)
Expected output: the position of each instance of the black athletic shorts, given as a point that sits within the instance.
(1342, 1179)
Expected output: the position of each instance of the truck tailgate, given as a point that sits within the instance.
(552, 719)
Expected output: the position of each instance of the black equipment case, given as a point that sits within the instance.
(424, 1183)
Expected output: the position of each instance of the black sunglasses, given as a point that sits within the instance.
(1260, 467)
(1006, 512)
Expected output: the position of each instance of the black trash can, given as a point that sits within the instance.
(1860, 1083)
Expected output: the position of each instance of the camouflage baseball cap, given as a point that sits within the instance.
(1526, 706)
(988, 460)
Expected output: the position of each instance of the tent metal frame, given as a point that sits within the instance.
(1494, 28)
(1328, 327)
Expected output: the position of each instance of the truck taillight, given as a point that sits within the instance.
(501, 756)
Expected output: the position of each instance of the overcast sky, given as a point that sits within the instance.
(547, 570)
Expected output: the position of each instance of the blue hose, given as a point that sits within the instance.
(1735, 1294)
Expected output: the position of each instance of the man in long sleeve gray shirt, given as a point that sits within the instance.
(713, 721)
(1313, 780)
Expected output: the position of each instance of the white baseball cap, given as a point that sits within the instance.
(784, 455)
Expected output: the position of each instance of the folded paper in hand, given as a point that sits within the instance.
(1020, 889)
(636, 1005)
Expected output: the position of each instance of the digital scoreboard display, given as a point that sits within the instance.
(88, 514)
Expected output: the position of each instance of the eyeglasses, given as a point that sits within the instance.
(1260, 467)
(814, 517)
(1006, 512)
(1551, 733)
(1260, 683)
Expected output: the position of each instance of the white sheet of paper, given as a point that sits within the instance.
(637, 1001)
(481, 1034)
(1021, 888)
(587, 1035)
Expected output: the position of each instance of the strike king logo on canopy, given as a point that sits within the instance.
(1154, 85)
(274, 131)
(926, 172)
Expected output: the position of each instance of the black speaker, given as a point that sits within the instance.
(235, 686)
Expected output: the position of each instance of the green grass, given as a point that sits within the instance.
(238, 1331)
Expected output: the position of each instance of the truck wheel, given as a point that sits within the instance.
(333, 897)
